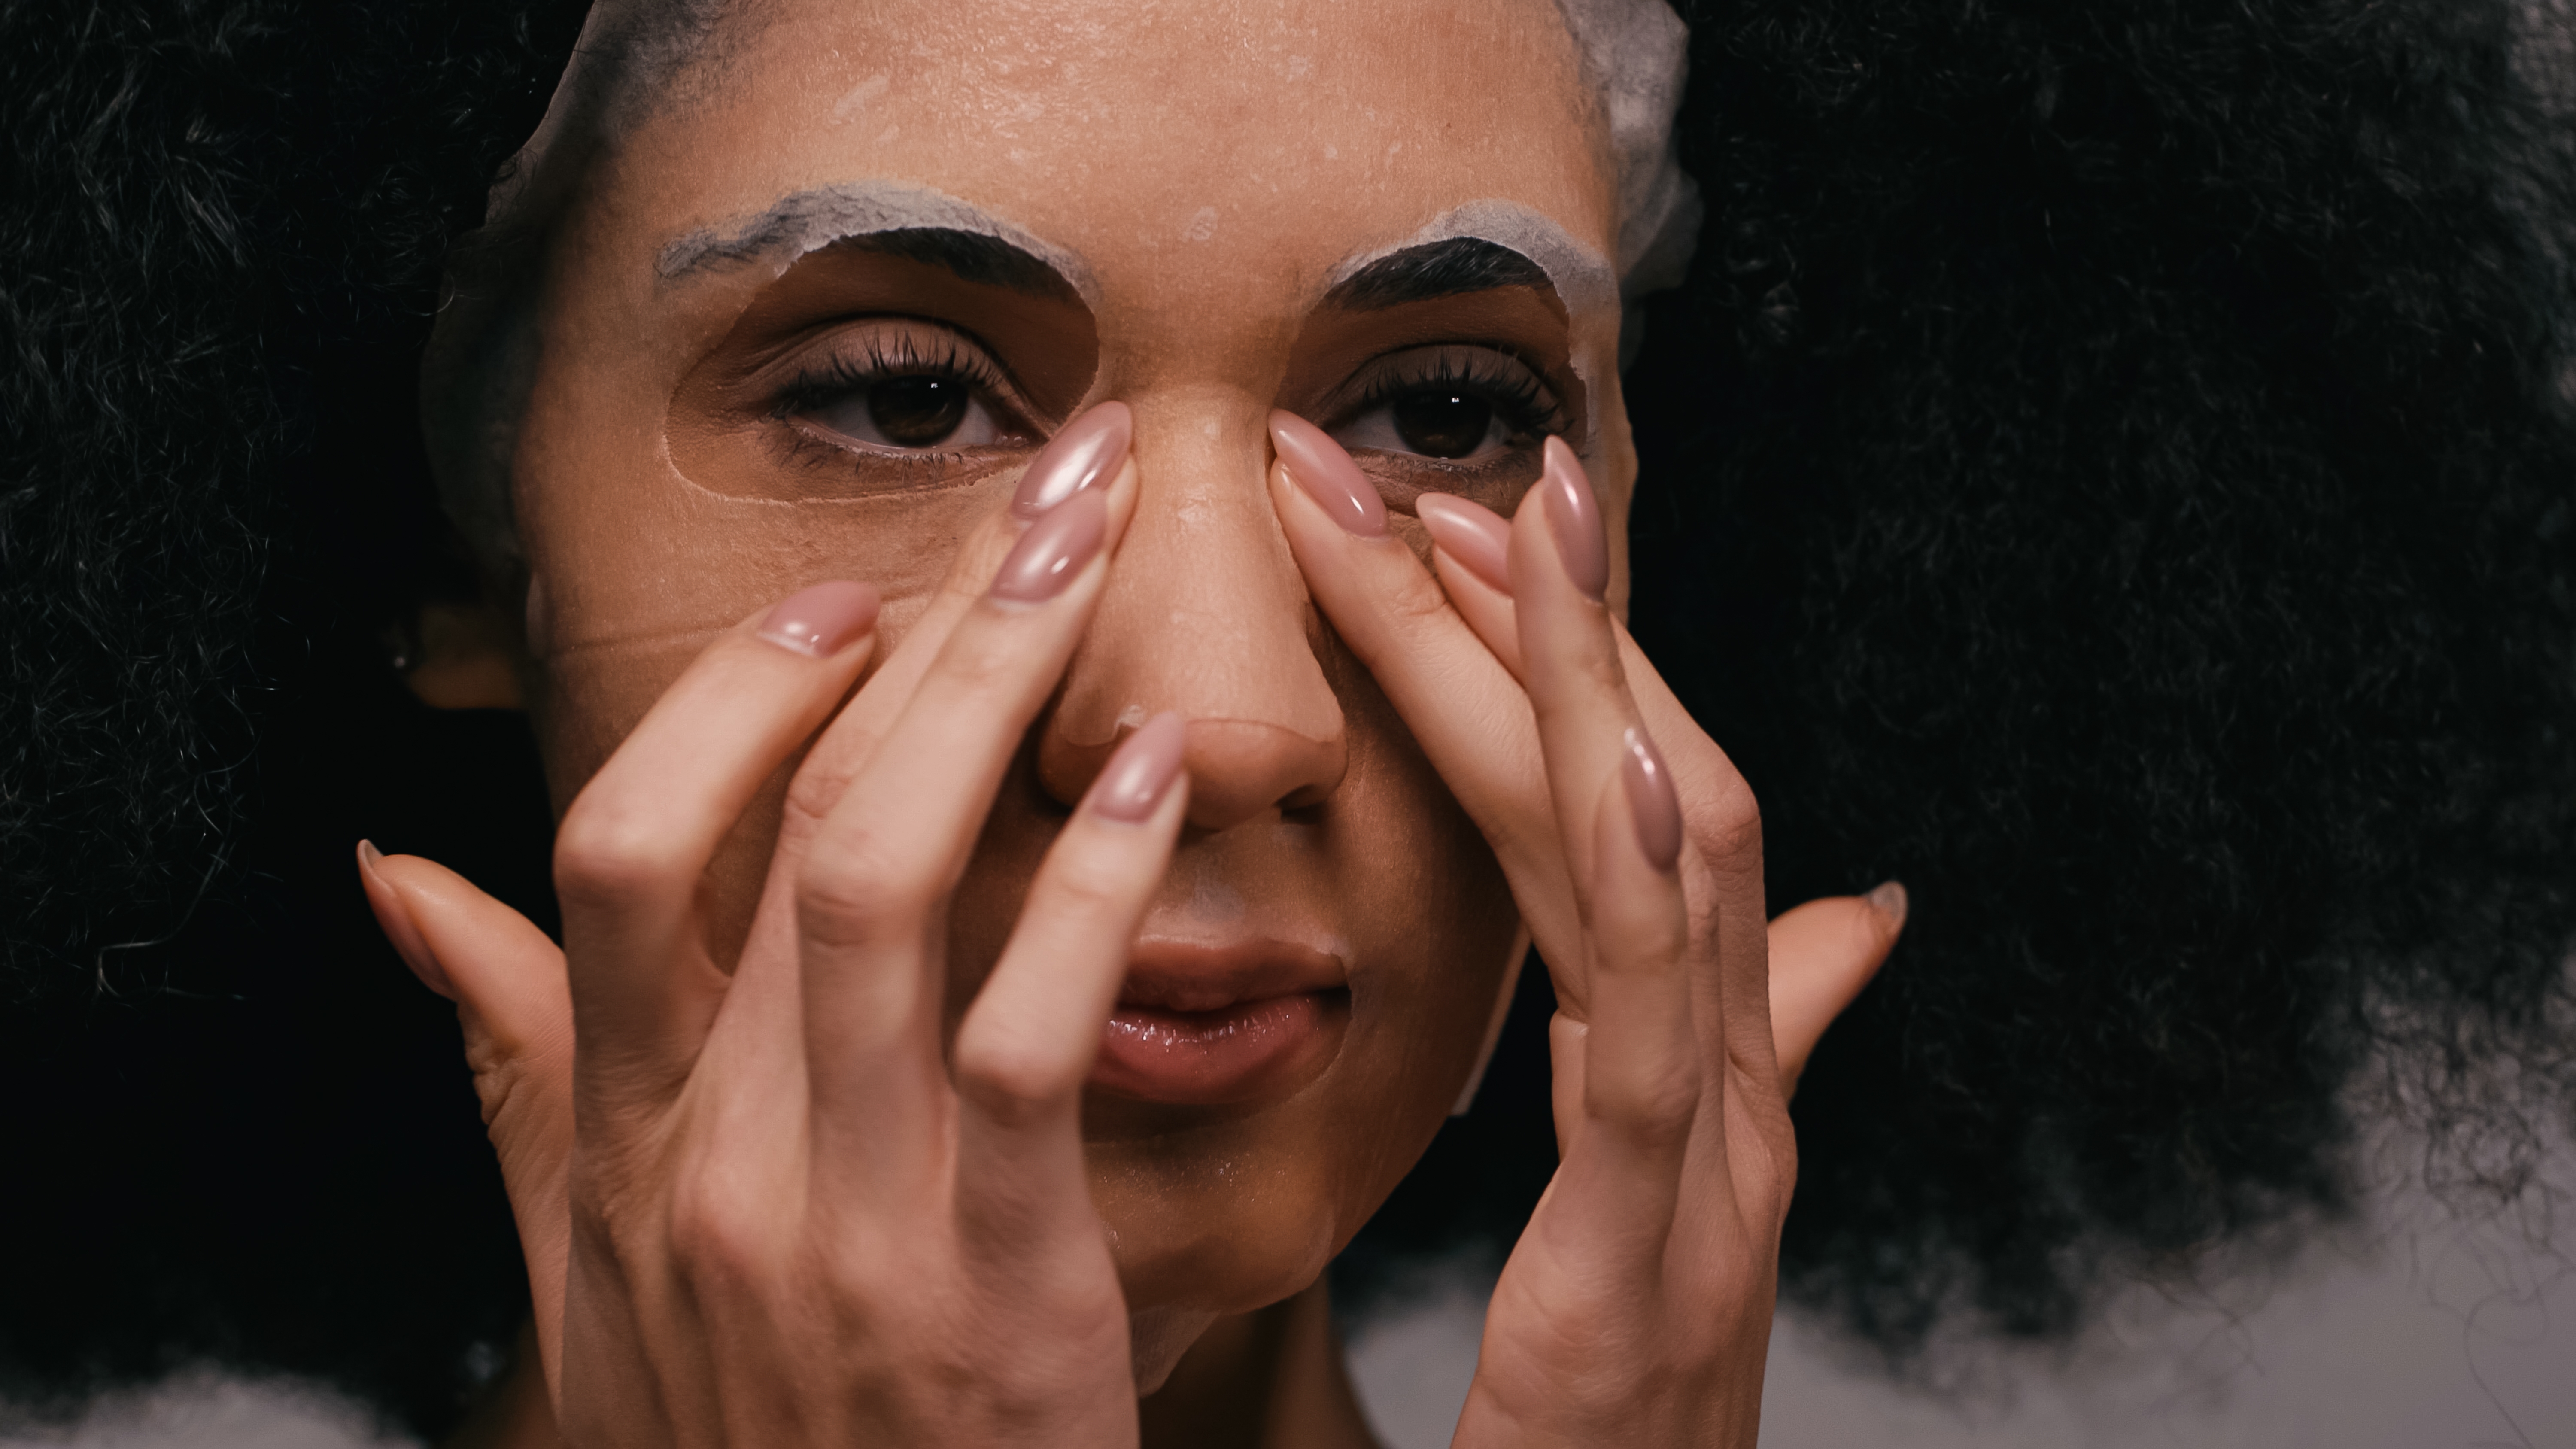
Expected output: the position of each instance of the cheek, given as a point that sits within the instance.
(1430, 910)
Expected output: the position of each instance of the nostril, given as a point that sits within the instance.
(1240, 769)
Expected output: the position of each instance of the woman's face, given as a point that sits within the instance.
(810, 313)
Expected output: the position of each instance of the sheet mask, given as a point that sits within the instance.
(811, 220)
(584, 419)
(1585, 283)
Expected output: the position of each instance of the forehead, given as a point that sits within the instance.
(1179, 148)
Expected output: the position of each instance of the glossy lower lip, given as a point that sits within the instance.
(1239, 1052)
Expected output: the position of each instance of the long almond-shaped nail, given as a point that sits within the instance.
(400, 928)
(1575, 518)
(822, 619)
(1476, 536)
(1320, 466)
(1142, 770)
(1651, 800)
(1090, 450)
(1054, 549)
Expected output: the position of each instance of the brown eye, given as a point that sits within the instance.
(1442, 424)
(918, 411)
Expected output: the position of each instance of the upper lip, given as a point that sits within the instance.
(1189, 976)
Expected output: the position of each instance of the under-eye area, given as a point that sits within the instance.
(880, 367)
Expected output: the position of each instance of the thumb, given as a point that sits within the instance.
(513, 1001)
(1822, 954)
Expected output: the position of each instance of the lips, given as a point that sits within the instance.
(1201, 1026)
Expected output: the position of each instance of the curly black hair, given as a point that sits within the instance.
(2110, 468)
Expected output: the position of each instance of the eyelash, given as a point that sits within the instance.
(841, 374)
(1523, 400)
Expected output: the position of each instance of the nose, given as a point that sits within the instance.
(1205, 614)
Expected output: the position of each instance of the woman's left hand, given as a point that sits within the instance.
(1636, 1308)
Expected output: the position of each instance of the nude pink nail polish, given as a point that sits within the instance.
(401, 929)
(1326, 472)
(1053, 551)
(1658, 810)
(1142, 770)
(1090, 450)
(820, 620)
(1477, 537)
(1575, 518)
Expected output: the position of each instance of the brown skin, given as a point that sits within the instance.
(1314, 815)
(640, 554)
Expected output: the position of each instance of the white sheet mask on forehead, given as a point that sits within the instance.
(1634, 56)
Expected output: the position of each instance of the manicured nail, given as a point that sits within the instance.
(1476, 536)
(1090, 450)
(1142, 770)
(1054, 549)
(1888, 899)
(402, 931)
(1652, 801)
(1326, 472)
(1575, 519)
(821, 620)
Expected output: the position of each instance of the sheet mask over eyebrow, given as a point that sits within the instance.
(1584, 282)
(638, 248)
(811, 220)
(658, 380)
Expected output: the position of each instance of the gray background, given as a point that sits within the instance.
(2413, 1327)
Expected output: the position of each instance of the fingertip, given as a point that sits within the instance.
(1476, 536)
(1142, 771)
(1888, 898)
(1323, 469)
(394, 917)
(823, 619)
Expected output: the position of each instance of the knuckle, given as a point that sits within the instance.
(1728, 822)
(608, 856)
(1414, 598)
(860, 884)
(982, 659)
(716, 1232)
(1650, 1106)
(1007, 1078)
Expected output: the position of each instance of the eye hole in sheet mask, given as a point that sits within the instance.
(862, 373)
(903, 386)
(1459, 404)
(1450, 396)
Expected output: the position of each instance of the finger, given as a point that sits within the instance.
(763, 1007)
(1822, 954)
(871, 898)
(1560, 567)
(1089, 452)
(1643, 1083)
(631, 850)
(1466, 710)
(515, 1005)
(1029, 1041)
(1470, 551)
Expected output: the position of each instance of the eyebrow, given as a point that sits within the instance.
(1447, 268)
(970, 256)
(892, 218)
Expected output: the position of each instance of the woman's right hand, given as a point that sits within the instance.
(762, 1207)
